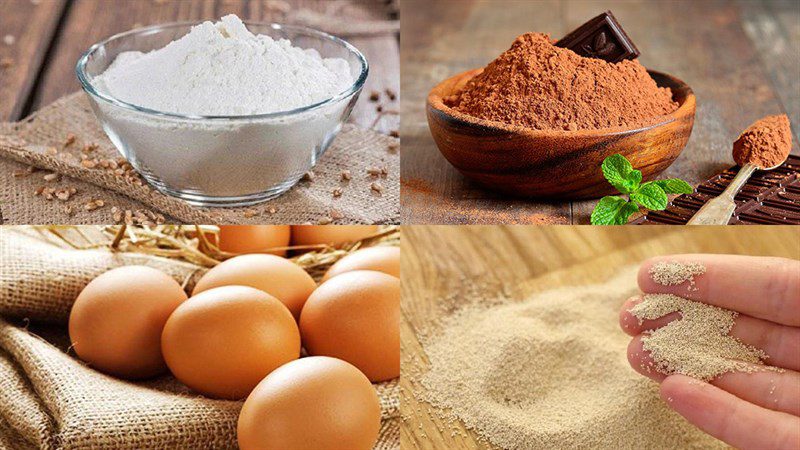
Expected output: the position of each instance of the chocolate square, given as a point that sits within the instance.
(602, 38)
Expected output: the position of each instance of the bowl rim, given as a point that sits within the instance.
(436, 102)
(87, 85)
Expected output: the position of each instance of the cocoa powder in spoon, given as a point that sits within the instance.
(765, 144)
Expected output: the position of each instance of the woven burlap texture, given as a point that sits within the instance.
(49, 399)
(39, 279)
(27, 142)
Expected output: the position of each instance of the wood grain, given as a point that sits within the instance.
(735, 74)
(774, 29)
(31, 27)
(440, 263)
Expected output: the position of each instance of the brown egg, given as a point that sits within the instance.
(223, 341)
(115, 324)
(355, 316)
(334, 235)
(382, 259)
(315, 403)
(272, 274)
(254, 238)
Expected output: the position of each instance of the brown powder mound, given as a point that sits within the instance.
(766, 143)
(537, 85)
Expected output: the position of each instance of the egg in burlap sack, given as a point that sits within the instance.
(50, 399)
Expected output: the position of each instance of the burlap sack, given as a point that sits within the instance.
(40, 276)
(27, 143)
(48, 399)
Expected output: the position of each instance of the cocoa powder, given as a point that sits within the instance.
(766, 143)
(537, 85)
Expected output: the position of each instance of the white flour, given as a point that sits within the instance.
(224, 69)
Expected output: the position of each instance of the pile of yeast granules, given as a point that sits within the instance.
(550, 372)
(673, 273)
(535, 84)
(699, 344)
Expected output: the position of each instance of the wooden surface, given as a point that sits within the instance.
(50, 36)
(440, 263)
(740, 58)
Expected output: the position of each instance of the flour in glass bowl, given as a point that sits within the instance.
(222, 69)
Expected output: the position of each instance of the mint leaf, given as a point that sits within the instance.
(633, 180)
(619, 172)
(674, 186)
(651, 196)
(612, 210)
(626, 211)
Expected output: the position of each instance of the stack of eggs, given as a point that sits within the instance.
(239, 335)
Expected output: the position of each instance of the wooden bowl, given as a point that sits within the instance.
(554, 164)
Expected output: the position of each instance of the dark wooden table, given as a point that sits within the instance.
(50, 35)
(742, 59)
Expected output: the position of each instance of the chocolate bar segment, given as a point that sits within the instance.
(602, 38)
(769, 197)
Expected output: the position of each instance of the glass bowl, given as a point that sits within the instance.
(220, 160)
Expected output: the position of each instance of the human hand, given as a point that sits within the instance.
(758, 410)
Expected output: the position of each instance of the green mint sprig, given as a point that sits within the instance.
(615, 210)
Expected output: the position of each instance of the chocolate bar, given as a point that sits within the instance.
(769, 198)
(602, 38)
